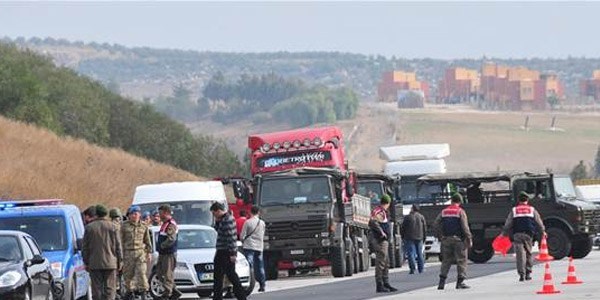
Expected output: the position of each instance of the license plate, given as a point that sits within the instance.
(206, 276)
(297, 252)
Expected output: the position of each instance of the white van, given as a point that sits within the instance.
(190, 200)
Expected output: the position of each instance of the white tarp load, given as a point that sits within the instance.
(415, 167)
(589, 192)
(414, 152)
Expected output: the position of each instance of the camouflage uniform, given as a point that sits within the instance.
(136, 246)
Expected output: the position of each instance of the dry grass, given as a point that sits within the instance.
(36, 163)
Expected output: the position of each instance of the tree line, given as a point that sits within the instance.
(33, 90)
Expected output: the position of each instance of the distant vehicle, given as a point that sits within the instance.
(58, 229)
(570, 222)
(410, 162)
(190, 201)
(24, 272)
(194, 271)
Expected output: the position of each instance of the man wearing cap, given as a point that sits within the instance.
(522, 224)
(136, 252)
(452, 228)
(413, 233)
(380, 233)
(167, 253)
(102, 254)
(226, 255)
(156, 218)
(146, 218)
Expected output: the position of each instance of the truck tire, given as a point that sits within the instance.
(582, 247)
(559, 243)
(338, 261)
(350, 259)
(399, 254)
(271, 269)
(392, 252)
(481, 252)
(366, 257)
(356, 256)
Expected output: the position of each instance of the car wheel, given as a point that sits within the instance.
(156, 287)
(252, 283)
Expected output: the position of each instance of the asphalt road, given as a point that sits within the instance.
(364, 287)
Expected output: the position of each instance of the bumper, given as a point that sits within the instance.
(597, 240)
(188, 280)
(13, 293)
(432, 245)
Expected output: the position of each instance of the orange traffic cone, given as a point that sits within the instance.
(548, 287)
(571, 277)
(543, 255)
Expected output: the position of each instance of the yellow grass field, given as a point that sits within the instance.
(37, 164)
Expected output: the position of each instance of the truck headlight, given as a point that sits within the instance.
(56, 268)
(325, 243)
(9, 279)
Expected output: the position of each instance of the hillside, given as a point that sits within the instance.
(36, 163)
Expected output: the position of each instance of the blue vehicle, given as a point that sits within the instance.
(58, 230)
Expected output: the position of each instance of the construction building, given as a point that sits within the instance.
(590, 88)
(459, 85)
(518, 88)
(397, 84)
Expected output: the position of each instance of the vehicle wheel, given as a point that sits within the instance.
(350, 259)
(399, 255)
(366, 254)
(271, 269)
(338, 261)
(391, 252)
(356, 256)
(559, 244)
(156, 287)
(250, 287)
(481, 252)
(581, 248)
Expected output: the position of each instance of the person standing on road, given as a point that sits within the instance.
(156, 218)
(413, 234)
(102, 254)
(253, 234)
(136, 252)
(167, 253)
(522, 225)
(226, 255)
(452, 228)
(380, 232)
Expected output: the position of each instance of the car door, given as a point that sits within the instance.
(81, 275)
(38, 273)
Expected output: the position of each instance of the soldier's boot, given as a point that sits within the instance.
(386, 284)
(528, 276)
(442, 283)
(381, 288)
(460, 284)
(521, 277)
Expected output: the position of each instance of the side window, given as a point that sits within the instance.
(73, 227)
(28, 249)
(538, 189)
(78, 225)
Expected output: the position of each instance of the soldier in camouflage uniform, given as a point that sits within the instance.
(136, 252)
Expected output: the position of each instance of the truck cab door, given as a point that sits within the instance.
(541, 191)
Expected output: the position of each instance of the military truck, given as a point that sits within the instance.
(570, 222)
(373, 186)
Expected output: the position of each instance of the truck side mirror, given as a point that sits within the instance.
(349, 188)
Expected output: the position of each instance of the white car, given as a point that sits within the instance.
(194, 270)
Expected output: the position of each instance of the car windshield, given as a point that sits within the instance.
(296, 190)
(186, 212)
(564, 188)
(49, 232)
(196, 238)
(9, 248)
(371, 189)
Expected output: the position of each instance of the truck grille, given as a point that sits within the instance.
(296, 229)
(593, 216)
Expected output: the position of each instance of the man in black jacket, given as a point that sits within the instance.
(226, 254)
(413, 234)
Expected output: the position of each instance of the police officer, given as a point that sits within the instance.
(452, 228)
(380, 233)
(136, 252)
(524, 222)
(167, 253)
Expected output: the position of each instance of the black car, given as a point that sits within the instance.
(24, 273)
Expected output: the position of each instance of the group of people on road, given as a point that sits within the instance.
(451, 227)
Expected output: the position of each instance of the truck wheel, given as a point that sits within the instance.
(392, 252)
(559, 244)
(399, 254)
(338, 261)
(365, 259)
(271, 269)
(350, 259)
(581, 248)
(481, 252)
(356, 256)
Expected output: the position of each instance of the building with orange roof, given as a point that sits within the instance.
(459, 85)
(395, 82)
(591, 87)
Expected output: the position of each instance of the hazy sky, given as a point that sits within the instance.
(405, 29)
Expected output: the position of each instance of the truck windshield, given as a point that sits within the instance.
(371, 189)
(564, 188)
(410, 194)
(186, 212)
(49, 232)
(297, 190)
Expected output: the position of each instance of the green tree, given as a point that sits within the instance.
(579, 171)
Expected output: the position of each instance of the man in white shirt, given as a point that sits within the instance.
(252, 237)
